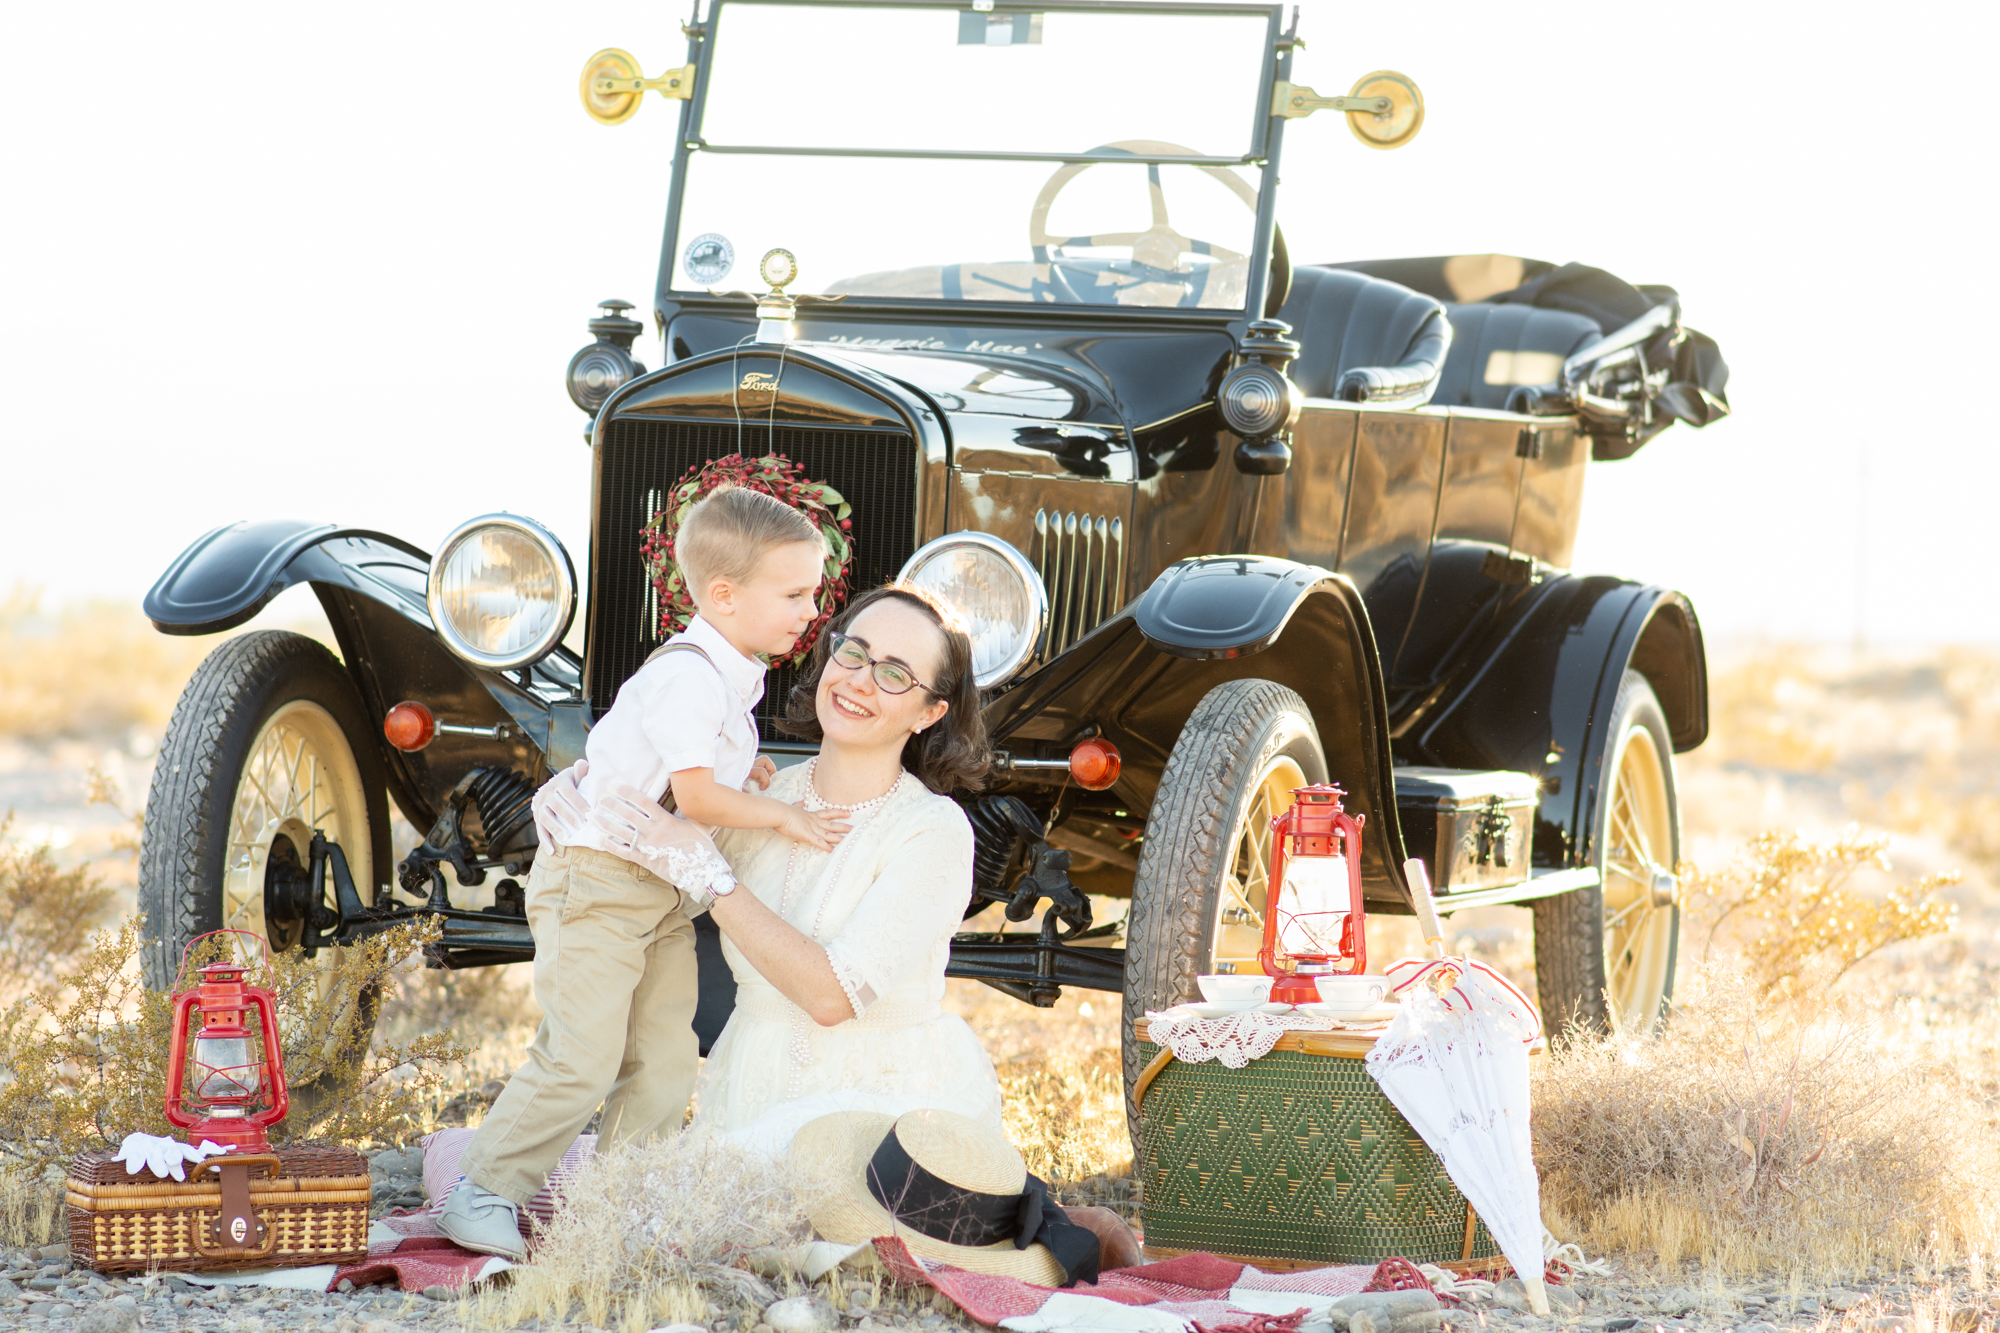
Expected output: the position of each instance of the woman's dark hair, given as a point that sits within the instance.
(951, 756)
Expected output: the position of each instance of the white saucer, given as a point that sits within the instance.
(1201, 1010)
(1351, 1013)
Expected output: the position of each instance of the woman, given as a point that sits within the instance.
(839, 956)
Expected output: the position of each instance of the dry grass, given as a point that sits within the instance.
(1065, 1111)
(647, 1233)
(97, 669)
(1755, 1136)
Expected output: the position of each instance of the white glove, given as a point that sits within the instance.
(560, 810)
(161, 1155)
(678, 850)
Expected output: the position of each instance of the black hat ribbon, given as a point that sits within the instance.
(946, 1212)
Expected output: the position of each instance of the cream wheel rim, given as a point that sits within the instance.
(1239, 926)
(1639, 915)
(299, 776)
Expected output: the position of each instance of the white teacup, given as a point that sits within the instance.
(1351, 990)
(1234, 990)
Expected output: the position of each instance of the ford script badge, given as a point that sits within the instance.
(708, 259)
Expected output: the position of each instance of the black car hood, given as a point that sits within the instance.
(1123, 376)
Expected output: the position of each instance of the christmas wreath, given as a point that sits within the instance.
(774, 475)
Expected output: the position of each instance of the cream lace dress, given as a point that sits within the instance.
(884, 904)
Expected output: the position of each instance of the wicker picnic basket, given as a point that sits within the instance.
(309, 1199)
(1292, 1161)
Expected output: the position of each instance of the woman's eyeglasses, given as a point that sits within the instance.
(890, 677)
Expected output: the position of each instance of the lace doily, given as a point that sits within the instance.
(1234, 1039)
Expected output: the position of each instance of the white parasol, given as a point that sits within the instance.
(1454, 1061)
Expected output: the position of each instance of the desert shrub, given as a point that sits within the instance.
(1755, 1134)
(85, 1054)
(46, 914)
(645, 1227)
(1789, 903)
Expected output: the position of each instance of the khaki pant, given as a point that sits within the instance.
(615, 976)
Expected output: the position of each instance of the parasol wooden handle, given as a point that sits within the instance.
(1427, 912)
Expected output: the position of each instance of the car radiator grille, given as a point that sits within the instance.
(876, 471)
(1081, 558)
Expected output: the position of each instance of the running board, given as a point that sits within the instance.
(1547, 884)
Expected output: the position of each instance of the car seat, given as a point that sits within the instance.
(1496, 347)
(1363, 339)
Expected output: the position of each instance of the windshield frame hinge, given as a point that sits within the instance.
(1294, 101)
(675, 84)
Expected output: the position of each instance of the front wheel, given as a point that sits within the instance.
(1605, 957)
(268, 743)
(1199, 897)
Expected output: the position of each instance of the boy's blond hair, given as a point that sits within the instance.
(731, 529)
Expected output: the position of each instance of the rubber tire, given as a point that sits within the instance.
(1238, 729)
(185, 838)
(1570, 966)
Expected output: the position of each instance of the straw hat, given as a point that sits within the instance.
(958, 1164)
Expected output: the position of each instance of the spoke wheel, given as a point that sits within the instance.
(1605, 957)
(268, 743)
(1246, 889)
(300, 775)
(1199, 896)
(1641, 919)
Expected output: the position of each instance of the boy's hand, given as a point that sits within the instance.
(761, 774)
(821, 830)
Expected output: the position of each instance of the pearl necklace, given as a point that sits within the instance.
(858, 814)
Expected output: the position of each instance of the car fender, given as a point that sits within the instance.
(1138, 676)
(372, 587)
(1536, 697)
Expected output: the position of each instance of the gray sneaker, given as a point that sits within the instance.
(482, 1221)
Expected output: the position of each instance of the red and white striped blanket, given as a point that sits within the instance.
(1196, 1293)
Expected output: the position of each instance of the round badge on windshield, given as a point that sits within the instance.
(708, 259)
(779, 268)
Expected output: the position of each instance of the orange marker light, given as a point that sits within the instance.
(409, 726)
(1095, 764)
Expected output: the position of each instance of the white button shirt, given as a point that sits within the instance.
(677, 712)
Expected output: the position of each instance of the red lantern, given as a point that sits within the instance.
(233, 1088)
(1313, 845)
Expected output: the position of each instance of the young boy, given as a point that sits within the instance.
(614, 943)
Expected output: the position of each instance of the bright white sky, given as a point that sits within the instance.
(330, 262)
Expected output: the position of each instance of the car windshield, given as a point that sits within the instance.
(1063, 156)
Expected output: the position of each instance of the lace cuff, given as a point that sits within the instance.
(859, 993)
(697, 870)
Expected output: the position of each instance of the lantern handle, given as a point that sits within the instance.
(187, 948)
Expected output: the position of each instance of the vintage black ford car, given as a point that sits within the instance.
(1245, 523)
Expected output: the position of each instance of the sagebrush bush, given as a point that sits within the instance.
(1758, 1135)
(46, 914)
(85, 1053)
(1789, 904)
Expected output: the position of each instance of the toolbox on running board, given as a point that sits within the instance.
(1472, 827)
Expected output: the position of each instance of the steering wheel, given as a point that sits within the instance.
(1156, 251)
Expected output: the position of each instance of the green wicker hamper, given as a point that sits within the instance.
(1295, 1160)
